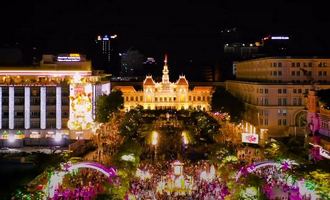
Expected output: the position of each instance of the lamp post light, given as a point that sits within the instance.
(154, 141)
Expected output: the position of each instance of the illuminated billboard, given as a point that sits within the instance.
(81, 117)
(72, 57)
(250, 138)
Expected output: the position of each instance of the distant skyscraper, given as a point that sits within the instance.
(105, 54)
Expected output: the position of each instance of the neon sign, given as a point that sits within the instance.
(73, 57)
(279, 37)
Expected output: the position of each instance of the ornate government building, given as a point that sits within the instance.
(167, 95)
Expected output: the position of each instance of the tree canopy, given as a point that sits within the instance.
(107, 104)
(224, 101)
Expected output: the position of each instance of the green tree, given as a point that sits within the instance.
(224, 101)
(107, 104)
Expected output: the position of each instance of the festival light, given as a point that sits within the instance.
(58, 137)
(56, 178)
(129, 157)
(143, 175)
(154, 138)
(11, 138)
(184, 137)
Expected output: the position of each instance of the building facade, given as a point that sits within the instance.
(278, 102)
(57, 97)
(284, 70)
(166, 94)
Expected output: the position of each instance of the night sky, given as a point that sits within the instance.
(184, 29)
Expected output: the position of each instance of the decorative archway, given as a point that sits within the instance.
(57, 178)
(286, 164)
(300, 119)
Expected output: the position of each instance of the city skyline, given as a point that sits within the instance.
(186, 30)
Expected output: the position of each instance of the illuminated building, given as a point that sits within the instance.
(274, 91)
(105, 54)
(55, 97)
(167, 95)
(318, 119)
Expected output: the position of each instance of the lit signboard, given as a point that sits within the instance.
(250, 138)
(324, 153)
(72, 57)
(279, 37)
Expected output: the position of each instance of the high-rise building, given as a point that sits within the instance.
(274, 90)
(105, 55)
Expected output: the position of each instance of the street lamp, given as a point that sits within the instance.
(154, 141)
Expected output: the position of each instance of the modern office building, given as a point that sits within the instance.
(56, 97)
(275, 89)
(105, 54)
(167, 95)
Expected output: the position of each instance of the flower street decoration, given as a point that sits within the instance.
(281, 165)
(81, 105)
(56, 177)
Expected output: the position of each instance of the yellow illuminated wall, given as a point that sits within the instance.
(81, 117)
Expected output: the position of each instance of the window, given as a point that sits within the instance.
(266, 112)
(306, 91)
(141, 98)
(266, 121)
(280, 73)
(274, 64)
(320, 73)
(294, 102)
(284, 91)
(298, 65)
(299, 101)
(298, 73)
(284, 122)
(279, 122)
(310, 64)
(266, 101)
(294, 90)
(293, 73)
(279, 64)
(194, 98)
(324, 73)
(198, 98)
(266, 91)
(284, 101)
(156, 99)
(293, 64)
(132, 99)
(136, 98)
(279, 91)
(279, 111)
(189, 98)
(261, 91)
(275, 73)
(279, 101)
(127, 99)
(299, 91)
(309, 73)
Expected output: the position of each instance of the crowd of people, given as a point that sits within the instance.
(160, 181)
